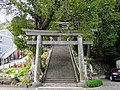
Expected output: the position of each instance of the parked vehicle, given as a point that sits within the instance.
(113, 74)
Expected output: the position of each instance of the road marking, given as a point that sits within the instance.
(84, 88)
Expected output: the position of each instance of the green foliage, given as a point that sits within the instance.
(28, 59)
(94, 83)
(4, 25)
(26, 80)
(83, 15)
(107, 34)
(22, 71)
(44, 56)
(28, 66)
(19, 36)
(1, 74)
(30, 54)
(41, 13)
(10, 71)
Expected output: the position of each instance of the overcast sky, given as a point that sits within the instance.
(4, 17)
(8, 15)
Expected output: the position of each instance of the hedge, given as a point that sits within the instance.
(94, 83)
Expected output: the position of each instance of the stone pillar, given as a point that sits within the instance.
(37, 62)
(81, 58)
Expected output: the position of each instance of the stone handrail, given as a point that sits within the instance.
(75, 65)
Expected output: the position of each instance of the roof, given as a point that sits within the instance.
(11, 48)
(8, 52)
(6, 32)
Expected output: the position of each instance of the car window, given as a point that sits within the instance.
(118, 71)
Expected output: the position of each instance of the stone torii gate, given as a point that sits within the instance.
(39, 43)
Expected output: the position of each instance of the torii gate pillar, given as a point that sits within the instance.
(37, 71)
(81, 58)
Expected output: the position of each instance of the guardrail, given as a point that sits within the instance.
(75, 65)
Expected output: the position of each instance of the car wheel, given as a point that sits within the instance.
(111, 78)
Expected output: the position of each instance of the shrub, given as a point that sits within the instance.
(28, 66)
(26, 80)
(22, 71)
(28, 59)
(44, 56)
(10, 71)
(94, 83)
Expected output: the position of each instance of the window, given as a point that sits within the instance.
(1, 38)
(119, 71)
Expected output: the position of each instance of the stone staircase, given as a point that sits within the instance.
(60, 80)
(60, 69)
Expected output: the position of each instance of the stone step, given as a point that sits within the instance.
(60, 69)
(60, 80)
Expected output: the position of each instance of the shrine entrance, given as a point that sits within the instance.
(42, 33)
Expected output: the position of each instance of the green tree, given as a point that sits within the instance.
(108, 28)
(32, 14)
(83, 15)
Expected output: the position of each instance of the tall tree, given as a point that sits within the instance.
(107, 34)
(83, 15)
(32, 14)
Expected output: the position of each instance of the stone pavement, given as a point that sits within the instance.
(60, 85)
(60, 88)
(43, 88)
(14, 88)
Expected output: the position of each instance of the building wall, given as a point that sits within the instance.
(6, 44)
(6, 41)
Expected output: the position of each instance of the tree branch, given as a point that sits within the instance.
(47, 21)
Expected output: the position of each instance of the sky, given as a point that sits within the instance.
(3, 14)
(2, 18)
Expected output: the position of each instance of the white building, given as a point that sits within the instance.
(7, 46)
